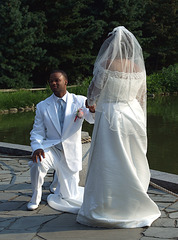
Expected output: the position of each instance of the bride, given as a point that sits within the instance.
(118, 175)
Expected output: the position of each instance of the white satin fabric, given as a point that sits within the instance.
(118, 176)
(71, 205)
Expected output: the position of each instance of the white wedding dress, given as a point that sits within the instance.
(118, 175)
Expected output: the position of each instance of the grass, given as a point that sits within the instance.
(21, 98)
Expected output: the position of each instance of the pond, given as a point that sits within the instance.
(162, 129)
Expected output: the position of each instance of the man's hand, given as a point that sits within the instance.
(91, 108)
(38, 153)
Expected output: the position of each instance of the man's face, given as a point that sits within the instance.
(58, 84)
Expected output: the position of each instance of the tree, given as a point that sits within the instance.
(115, 13)
(160, 26)
(21, 33)
(70, 35)
(39, 35)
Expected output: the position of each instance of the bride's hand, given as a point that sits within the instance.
(91, 108)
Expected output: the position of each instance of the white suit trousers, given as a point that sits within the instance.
(68, 180)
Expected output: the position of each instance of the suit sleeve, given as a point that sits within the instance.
(37, 135)
(88, 116)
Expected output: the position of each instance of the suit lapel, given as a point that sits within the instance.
(52, 112)
(70, 108)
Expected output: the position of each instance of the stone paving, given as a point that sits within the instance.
(16, 222)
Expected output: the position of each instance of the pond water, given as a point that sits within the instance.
(162, 129)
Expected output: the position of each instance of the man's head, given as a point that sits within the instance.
(58, 82)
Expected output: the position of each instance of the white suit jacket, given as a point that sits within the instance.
(46, 130)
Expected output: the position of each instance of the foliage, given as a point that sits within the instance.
(40, 35)
(154, 83)
(160, 27)
(164, 81)
(21, 33)
(165, 106)
(170, 78)
(70, 36)
(21, 99)
(81, 88)
(115, 13)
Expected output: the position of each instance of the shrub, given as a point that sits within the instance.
(81, 88)
(163, 81)
(154, 83)
(170, 78)
(20, 98)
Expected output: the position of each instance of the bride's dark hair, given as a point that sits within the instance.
(126, 46)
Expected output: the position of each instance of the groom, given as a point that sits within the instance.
(56, 139)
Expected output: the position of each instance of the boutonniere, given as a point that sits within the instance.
(79, 114)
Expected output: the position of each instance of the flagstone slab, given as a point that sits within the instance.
(164, 222)
(6, 196)
(153, 238)
(65, 227)
(19, 187)
(17, 235)
(10, 206)
(163, 214)
(162, 205)
(47, 210)
(169, 199)
(161, 232)
(5, 221)
(30, 222)
(172, 207)
(174, 215)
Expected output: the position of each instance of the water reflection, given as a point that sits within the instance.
(162, 127)
(15, 128)
(162, 130)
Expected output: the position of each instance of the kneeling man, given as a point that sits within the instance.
(56, 144)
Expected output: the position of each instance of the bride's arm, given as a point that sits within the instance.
(93, 94)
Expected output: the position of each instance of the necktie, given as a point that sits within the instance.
(61, 112)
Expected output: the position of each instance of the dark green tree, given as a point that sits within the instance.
(160, 26)
(75, 31)
(71, 36)
(21, 33)
(116, 13)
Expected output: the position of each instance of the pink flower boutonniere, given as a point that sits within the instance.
(79, 114)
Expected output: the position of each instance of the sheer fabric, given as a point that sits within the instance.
(119, 74)
(118, 175)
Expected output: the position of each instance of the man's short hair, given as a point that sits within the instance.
(60, 71)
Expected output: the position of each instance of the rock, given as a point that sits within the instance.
(21, 109)
(6, 111)
(13, 110)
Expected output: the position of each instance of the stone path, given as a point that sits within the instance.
(16, 222)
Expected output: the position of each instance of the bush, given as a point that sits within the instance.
(154, 83)
(164, 81)
(21, 98)
(170, 78)
(81, 88)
